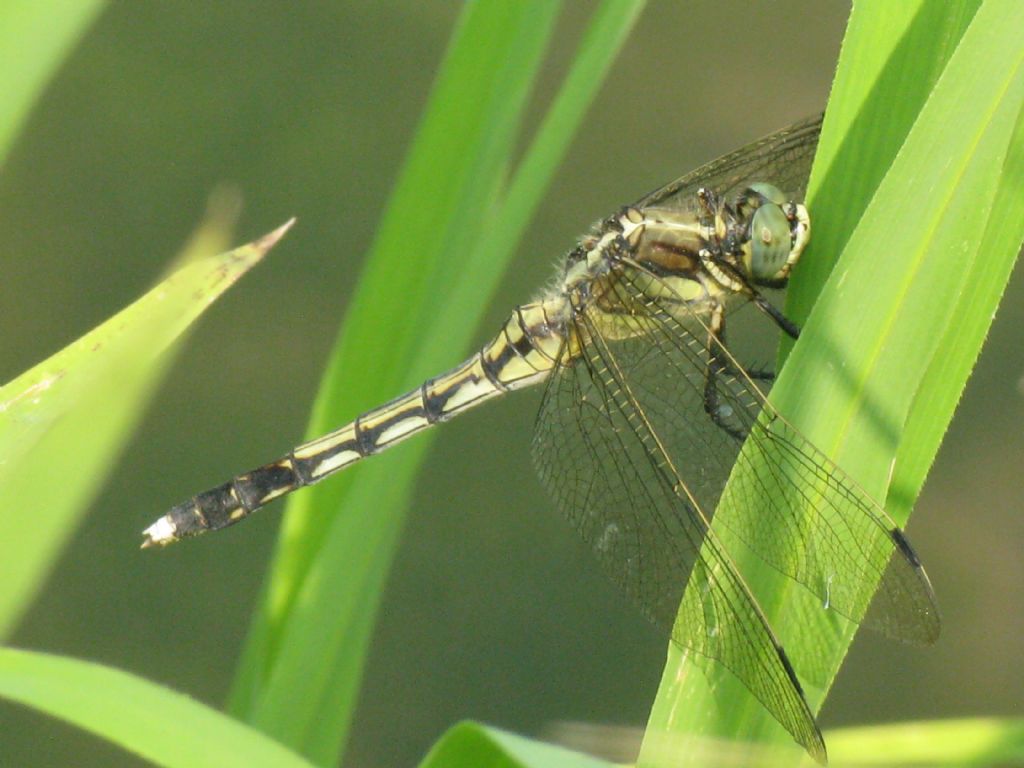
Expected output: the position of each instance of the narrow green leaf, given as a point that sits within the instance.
(471, 745)
(983, 285)
(34, 39)
(156, 723)
(63, 422)
(892, 56)
(981, 741)
(303, 661)
(304, 658)
(611, 25)
(855, 380)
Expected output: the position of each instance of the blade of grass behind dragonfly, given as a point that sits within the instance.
(934, 251)
(936, 743)
(34, 40)
(471, 745)
(161, 726)
(853, 386)
(305, 653)
(69, 416)
(454, 160)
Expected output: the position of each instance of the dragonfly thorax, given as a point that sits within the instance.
(703, 252)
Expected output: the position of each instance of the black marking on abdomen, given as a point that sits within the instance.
(207, 511)
(438, 391)
(492, 368)
(364, 444)
(372, 435)
(304, 467)
(433, 404)
(429, 414)
(255, 488)
(525, 345)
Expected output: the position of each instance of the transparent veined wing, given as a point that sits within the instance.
(611, 474)
(814, 524)
(783, 158)
(627, 449)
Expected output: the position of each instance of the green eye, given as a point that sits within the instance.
(756, 195)
(769, 241)
(768, 192)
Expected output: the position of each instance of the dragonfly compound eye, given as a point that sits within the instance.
(770, 242)
(768, 193)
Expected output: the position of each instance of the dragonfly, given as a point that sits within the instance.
(644, 414)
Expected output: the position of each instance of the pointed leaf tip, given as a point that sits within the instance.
(270, 239)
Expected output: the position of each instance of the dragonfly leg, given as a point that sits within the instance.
(786, 325)
(718, 366)
(759, 374)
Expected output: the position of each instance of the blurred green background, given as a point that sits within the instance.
(494, 610)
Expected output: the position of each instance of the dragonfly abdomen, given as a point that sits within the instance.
(522, 353)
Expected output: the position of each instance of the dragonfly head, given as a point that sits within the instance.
(776, 229)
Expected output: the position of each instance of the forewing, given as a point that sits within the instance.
(784, 159)
(611, 472)
(810, 520)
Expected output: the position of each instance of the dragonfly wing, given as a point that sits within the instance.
(812, 522)
(784, 158)
(610, 472)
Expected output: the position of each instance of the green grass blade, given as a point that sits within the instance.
(158, 724)
(34, 39)
(892, 56)
(304, 658)
(856, 383)
(63, 422)
(605, 36)
(984, 281)
(980, 741)
(448, 183)
(471, 745)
